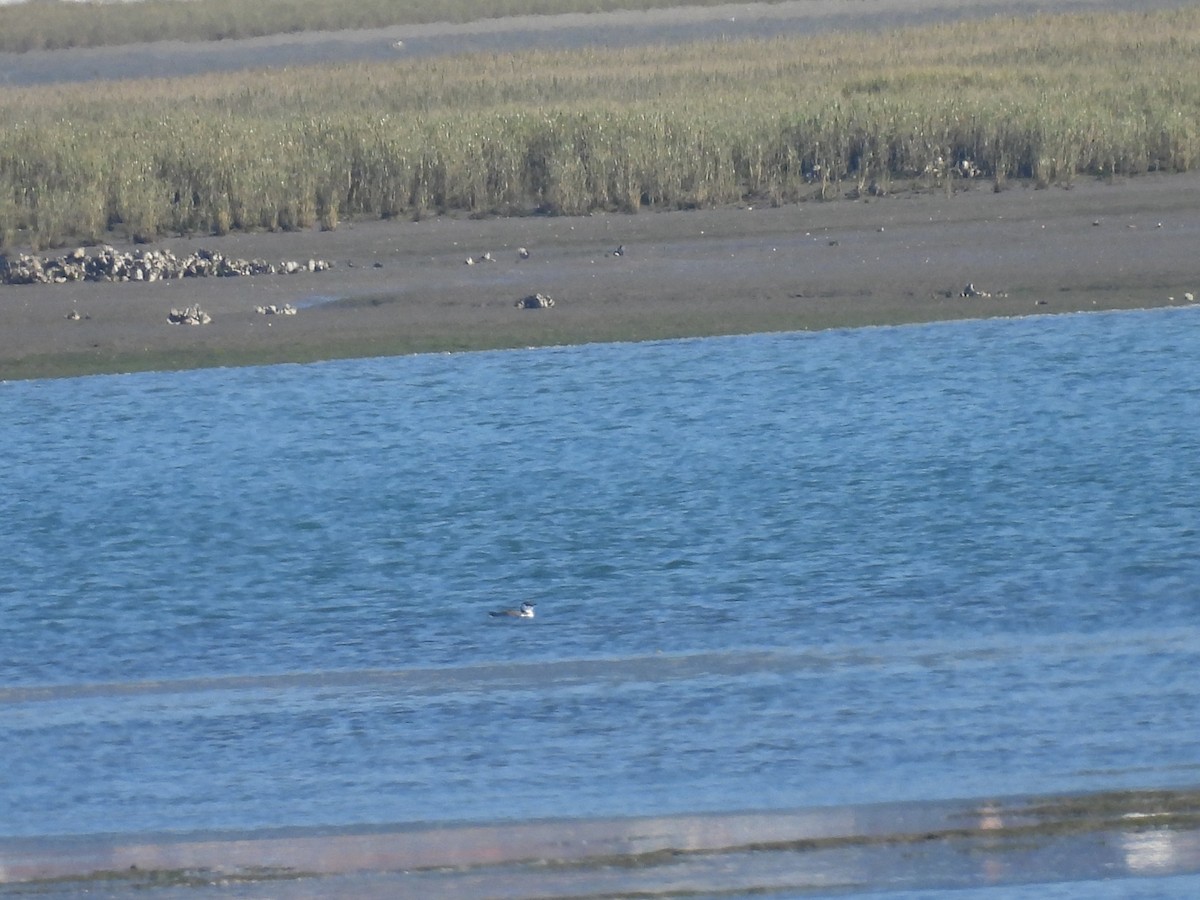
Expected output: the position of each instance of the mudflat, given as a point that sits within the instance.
(399, 287)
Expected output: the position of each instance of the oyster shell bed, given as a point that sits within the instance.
(108, 264)
(535, 301)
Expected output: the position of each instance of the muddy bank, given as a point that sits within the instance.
(405, 287)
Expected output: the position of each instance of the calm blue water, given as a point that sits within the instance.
(954, 560)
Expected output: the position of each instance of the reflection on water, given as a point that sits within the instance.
(950, 844)
(671, 733)
(1160, 850)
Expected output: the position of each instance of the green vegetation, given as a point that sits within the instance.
(696, 125)
(56, 25)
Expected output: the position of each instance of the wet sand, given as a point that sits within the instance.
(403, 287)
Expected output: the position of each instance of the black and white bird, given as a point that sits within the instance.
(524, 611)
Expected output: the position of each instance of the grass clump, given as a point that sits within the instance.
(776, 121)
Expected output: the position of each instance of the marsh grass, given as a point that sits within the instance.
(772, 121)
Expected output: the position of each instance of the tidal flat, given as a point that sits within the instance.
(404, 287)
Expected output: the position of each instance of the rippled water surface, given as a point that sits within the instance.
(926, 562)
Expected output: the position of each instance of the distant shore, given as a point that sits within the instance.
(508, 34)
(404, 287)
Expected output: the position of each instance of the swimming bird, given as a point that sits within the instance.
(524, 611)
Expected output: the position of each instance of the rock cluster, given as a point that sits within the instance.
(109, 264)
(272, 310)
(535, 301)
(971, 291)
(190, 315)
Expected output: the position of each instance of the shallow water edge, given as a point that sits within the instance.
(925, 844)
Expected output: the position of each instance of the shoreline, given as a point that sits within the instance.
(920, 844)
(402, 287)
